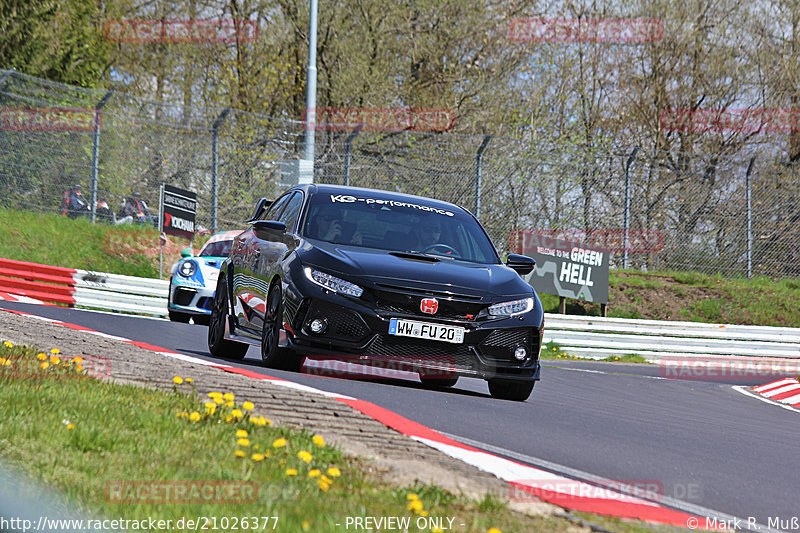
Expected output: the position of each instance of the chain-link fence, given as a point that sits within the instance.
(717, 214)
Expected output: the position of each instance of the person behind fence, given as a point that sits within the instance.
(134, 209)
(74, 204)
(102, 212)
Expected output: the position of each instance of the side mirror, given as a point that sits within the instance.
(521, 263)
(269, 228)
(186, 252)
(262, 204)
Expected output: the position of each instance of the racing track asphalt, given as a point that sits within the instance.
(702, 441)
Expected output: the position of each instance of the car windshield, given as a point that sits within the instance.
(216, 249)
(398, 225)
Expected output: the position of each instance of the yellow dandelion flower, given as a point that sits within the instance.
(334, 472)
(239, 454)
(243, 442)
(248, 406)
(189, 380)
(306, 525)
(423, 513)
(257, 457)
(229, 404)
(215, 395)
(291, 471)
(323, 486)
(326, 479)
(436, 529)
(177, 380)
(77, 360)
(55, 351)
(184, 414)
(229, 396)
(195, 416)
(218, 400)
(242, 433)
(79, 368)
(304, 456)
(70, 426)
(41, 356)
(54, 360)
(318, 440)
(8, 344)
(228, 418)
(44, 365)
(2, 361)
(211, 408)
(494, 530)
(411, 496)
(279, 443)
(314, 472)
(415, 505)
(237, 414)
(7, 362)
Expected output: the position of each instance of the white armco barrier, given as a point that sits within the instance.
(599, 337)
(115, 292)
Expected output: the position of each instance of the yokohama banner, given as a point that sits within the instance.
(178, 210)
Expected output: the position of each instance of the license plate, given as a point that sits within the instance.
(426, 330)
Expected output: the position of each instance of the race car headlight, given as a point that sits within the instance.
(515, 307)
(187, 268)
(333, 283)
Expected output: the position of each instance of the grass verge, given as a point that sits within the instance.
(123, 452)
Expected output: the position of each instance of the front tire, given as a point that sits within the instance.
(273, 355)
(217, 344)
(517, 391)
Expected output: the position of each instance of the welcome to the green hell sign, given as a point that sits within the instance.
(565, 268)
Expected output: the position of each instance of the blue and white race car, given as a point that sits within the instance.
(193, 279)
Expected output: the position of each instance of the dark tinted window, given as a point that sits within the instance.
(275, 209)
(292, 211)
(217, 249)
(397, 224)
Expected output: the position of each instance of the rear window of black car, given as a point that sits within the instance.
(398, 225)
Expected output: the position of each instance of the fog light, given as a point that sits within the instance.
(318, 326)
(520, 353)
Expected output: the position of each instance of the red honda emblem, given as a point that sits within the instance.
(429, 305)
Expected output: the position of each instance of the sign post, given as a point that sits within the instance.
(177, 212)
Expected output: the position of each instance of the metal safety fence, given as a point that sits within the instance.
(728, 214)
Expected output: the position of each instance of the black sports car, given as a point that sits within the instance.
(372, 277)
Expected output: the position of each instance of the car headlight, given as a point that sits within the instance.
(187, 268)
(515, 307)
(333, 283)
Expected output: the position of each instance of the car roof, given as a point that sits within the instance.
(323, 188)
(223, 236)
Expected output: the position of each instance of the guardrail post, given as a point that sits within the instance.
(478, 175)
(96, 152)
(214, 185)
(627, 220)
(749, 219)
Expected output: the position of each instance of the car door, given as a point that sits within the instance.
(249, 294)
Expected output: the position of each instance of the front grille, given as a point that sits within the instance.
(205, 303)
(343, 324)
(422, 352)
(183, 296)
(407, 303)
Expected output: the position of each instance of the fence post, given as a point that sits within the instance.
(349, 143)
(96, 152)
(214, 185)
(627, 219)
(749, 219)
(478, 175)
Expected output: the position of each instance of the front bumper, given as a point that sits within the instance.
(357, 332)
(190, 299)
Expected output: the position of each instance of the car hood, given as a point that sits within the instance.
(382, 267)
